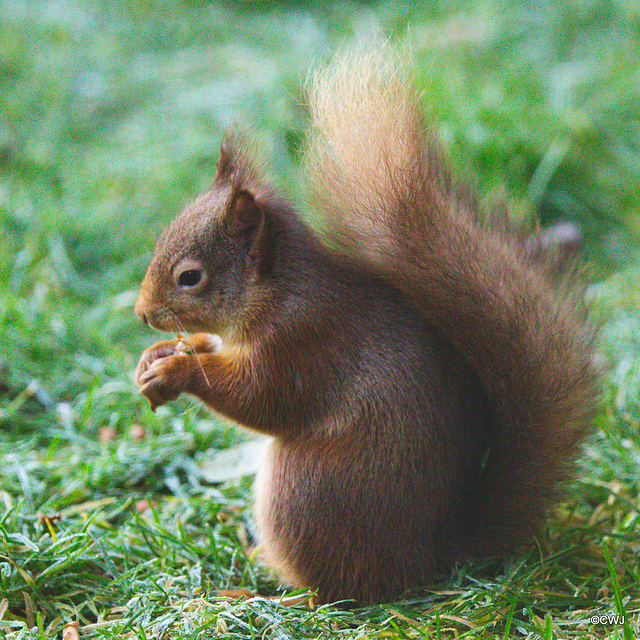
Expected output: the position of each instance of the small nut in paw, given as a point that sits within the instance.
(182, 347)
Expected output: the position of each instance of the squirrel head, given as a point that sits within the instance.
(212, 269)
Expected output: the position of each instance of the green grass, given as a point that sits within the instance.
(111, 118)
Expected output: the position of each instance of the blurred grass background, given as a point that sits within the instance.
(111, 115)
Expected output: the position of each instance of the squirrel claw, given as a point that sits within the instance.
(152, 406)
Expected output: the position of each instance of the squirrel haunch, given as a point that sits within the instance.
(427, 385)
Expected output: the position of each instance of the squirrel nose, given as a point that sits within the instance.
(139, 309)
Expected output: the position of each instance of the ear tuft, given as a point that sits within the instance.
(238, 163)
(227, 159)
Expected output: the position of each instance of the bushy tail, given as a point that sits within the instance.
(386, 192)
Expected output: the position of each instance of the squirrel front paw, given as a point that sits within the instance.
(198, 343)
(164, 379)
(153, 353)
(164, 372)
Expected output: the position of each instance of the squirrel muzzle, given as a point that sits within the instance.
(141, 305)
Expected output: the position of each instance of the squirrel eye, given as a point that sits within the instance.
(189, 278)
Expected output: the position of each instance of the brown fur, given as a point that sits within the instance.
(493, 296)
(385, 375)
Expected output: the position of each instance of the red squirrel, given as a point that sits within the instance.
(426, 373)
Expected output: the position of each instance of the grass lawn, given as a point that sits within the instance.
(111, 114)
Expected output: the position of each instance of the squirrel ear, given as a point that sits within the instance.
(247, 220)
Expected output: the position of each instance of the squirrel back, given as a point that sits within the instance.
(512, 308)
